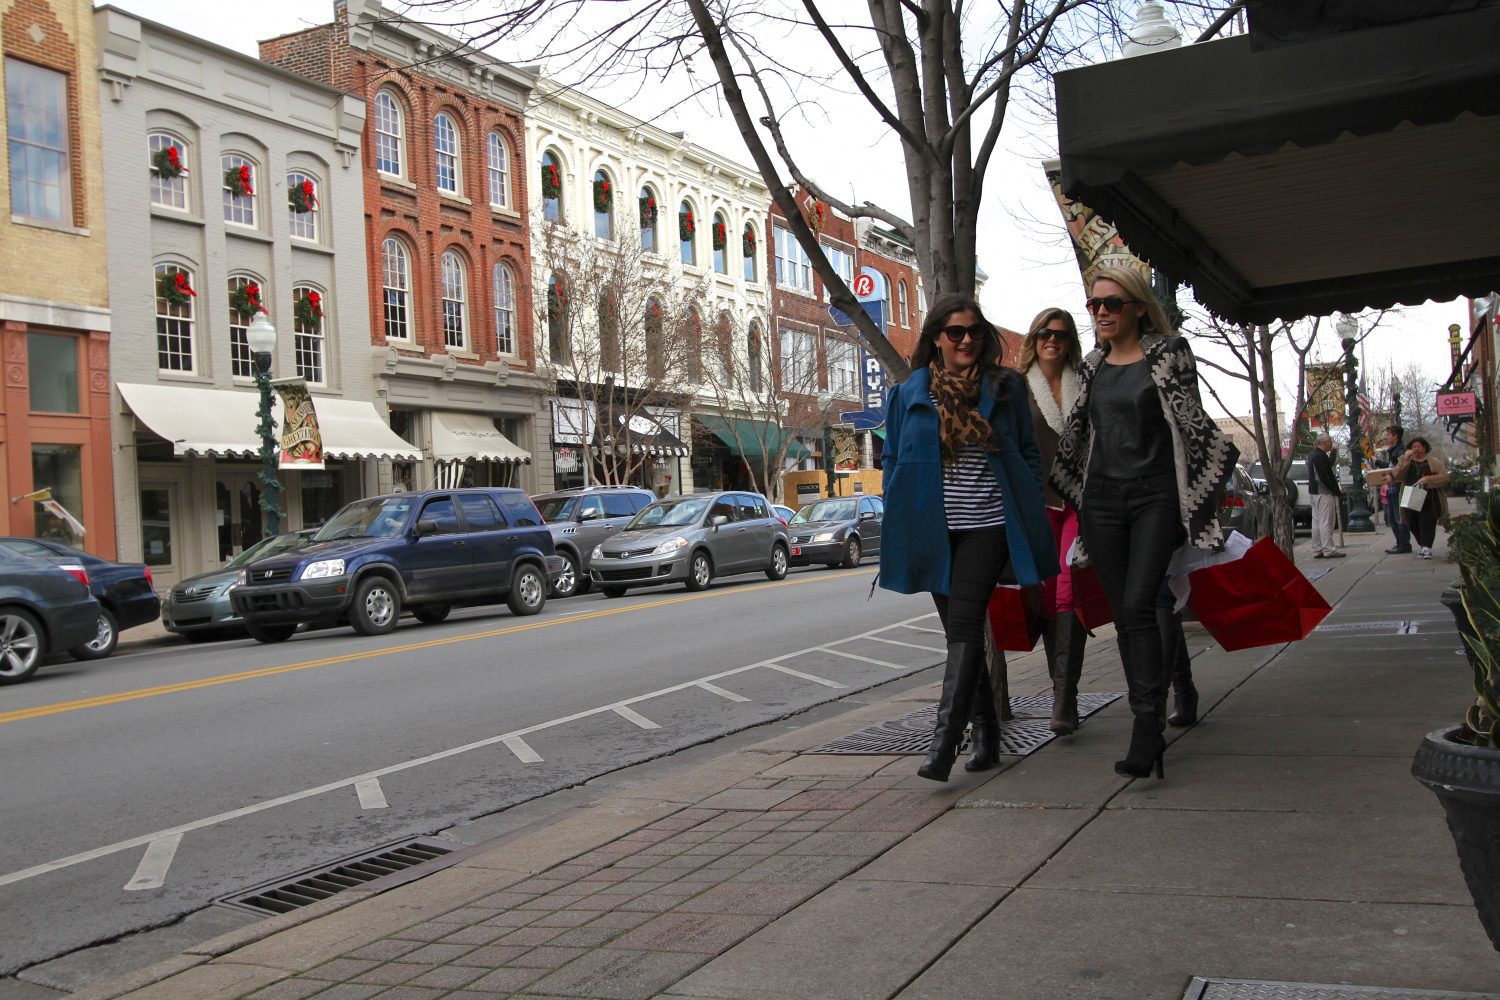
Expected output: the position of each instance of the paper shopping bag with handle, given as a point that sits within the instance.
(1259, 599)
(1089, 602)
(1016, 617)
(1413, 497)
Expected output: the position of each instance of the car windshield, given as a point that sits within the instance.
(673, 513)
(273, 546)
(556, 509)
(826, 510)
(382, 517)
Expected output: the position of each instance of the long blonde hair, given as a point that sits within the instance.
(1028, 346)
(1138, 288)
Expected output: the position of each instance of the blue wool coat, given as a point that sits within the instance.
(915, 555)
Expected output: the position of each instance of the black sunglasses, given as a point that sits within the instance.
(1047, 333)
(956, 334)
(1106, 303)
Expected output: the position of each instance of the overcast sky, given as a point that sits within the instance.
(1022, 245)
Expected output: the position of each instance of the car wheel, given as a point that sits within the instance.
(376, 607)
(21, 646)
(568, 581)
(270, 633)
(777, 569)
(103, 643)
(528, 591)
(431, 614)
(612, 591)
(700, 571)
(853, 553)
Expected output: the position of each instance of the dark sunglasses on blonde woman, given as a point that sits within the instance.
(1106, 303)
(1050, 334)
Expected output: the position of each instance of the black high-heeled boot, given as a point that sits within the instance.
(1147, 747)
(1179, 666)
(986, 727)
(1065, 664)
(960, 678)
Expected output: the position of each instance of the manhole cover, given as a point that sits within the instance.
(912, 733)
(1257, 989)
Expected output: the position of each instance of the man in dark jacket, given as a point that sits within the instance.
(1395, 447)
(1323, 497)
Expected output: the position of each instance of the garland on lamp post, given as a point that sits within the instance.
(648, 212)
(551, 183)
(238, 181)
(686, 227)
(303, 197)
(173, 287)
(308, 308)
(245, 301)
(721, 235)
(167, 162)
(604, 198)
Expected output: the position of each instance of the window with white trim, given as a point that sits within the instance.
(752, 259)
(36, 119)
(793, 269)
(497, 160)
(901, 302)
(756, 360)
(168, 192)
(603, 195)
(687, 233)
(395, 281)
(648, 208)
(799, 362)
(719, 234)
(308, 340)
(174, 324)
(445, 150)
(504, 293)
(302, 193)
(559, 344)
(390, 132)
(552, 187)
(455, 302)
(694, 348)
(239, 208)
(841, 367)
(241, 364)
(843, 263)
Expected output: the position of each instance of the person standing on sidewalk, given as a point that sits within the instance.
(1395, 447)
(1418, 467)
(1144, 465)
(1323, 495)
(1050, 356)
(963, 494)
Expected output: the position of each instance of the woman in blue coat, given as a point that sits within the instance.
(963, 494)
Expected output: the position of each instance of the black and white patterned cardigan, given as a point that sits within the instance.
(1203, 456)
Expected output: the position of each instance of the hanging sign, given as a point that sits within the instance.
(301, 441)
(1456, 404)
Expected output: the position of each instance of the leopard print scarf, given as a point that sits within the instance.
(956, 396)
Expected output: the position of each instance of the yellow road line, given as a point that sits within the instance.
(370, 654)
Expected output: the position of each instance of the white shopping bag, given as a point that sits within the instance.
(1190, 558)
(1413, 497)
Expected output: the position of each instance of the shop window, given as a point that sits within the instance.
(156, 527)
(322, 496)
(59, 469)
(52, 361)
(36, 115)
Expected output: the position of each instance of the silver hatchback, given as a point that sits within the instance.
(691, 540)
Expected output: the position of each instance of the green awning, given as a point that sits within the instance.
(878, 432)
(752, 438)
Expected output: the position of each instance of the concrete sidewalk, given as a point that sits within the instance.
(1288, 842)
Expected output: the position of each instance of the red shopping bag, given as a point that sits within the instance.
(1089, 602)
(1016, 617)
(1259, 599)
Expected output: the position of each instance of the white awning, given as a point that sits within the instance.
(458, 436)
(221, 422)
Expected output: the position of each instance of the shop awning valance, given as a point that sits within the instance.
(222, 422)
(752, 438)
(641, 434)
(460, 436)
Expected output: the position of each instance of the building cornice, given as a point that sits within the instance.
(374, 29)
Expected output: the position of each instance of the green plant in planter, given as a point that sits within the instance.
(1475, 545)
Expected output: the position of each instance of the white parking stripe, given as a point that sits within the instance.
(152, 871)
(807, 677)
(371, 795)
(866, 659)
(631, 715)
(522, 750)
(912, 645)
(920, 628)
(715, 689)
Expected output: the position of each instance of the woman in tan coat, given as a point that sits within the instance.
(1419, 467)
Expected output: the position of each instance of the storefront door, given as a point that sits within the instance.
(237, 511)
(161, 545)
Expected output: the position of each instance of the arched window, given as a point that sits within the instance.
(445, 150)
(750, 249)
(390, 132)
(558, 347)
(395, 282)
(246, 297)
(302, 193)
(455, 302)
(756, 359)
(552, 188)
(649, 211)
(309, 309)
(504, 294)
(693, 347)
(724, 352)
(168, 157)
(497, 157)
(174, 319)
(901, 302)
(609, 332)
(604, 205)
(239, 183)
(656, 358)
(687, 233)
(720, 243)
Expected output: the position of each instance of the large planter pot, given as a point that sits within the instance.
(1466, 780)
(1453, 600)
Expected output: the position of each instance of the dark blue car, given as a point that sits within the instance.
(44, 609)
(124, 591)
(422, 552)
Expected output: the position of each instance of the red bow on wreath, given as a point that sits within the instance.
(303, 197)
(309, 309)
(238, 181)
(174, 288)
(168, 162)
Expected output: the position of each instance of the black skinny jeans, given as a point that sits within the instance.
(1423, 523)
(1130, 528)
(979, 557)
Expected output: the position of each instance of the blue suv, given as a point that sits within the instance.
(425, 552)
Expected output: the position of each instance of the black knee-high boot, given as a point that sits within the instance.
(960, 678)
(1064, 639)
(1179, 668)
(986, 741)
(1148, 704)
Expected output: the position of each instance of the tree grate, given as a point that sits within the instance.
(1256, 989)
(305, 888)
(911, 734)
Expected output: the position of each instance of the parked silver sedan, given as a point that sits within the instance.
(691, 540)
(199, 609)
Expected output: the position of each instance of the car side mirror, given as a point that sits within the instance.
(589, 515)
(424, 528)
(717, 520)
(868, 515)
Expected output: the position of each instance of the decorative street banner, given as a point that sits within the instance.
(301, 441)
(1325, 394)
(1096, 243)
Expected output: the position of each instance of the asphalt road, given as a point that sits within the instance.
(146, 786)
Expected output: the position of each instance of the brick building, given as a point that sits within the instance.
(54, 299)
(448, 241)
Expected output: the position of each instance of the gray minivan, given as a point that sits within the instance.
(580, 519)
(692, 539)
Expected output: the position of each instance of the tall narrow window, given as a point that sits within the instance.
(724, 351)
(609, 332)
(793, 269)
(36, 116)
(168, 158)
(309, 312)
(389, 133)
(687, 233)
(604, 204)
(497, 158)
(756, 360)
(174, 319)
(504, 294)
(693, 347)
(649, 211)
(455, 303)
(843, 263)
(552, 188)
(395, 280)
(246, 298)
(750, 250)
(901, 302)
(840, 367)
(656, 358)
(302, 205)
(239, 183)
(719, 240)
(559, 348)
(445, 149)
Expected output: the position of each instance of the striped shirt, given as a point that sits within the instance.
(971, 496)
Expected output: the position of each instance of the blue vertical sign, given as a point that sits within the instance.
(869, 288)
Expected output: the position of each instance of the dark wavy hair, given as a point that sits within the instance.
(938, 314)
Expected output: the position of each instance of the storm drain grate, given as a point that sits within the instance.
(306, 888)
(1381, 628)
(1256, 989)
(912, 733)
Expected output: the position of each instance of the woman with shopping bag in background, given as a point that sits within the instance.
(1421, 477)
(1144, 465)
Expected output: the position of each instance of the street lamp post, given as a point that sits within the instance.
(1359, 505)
(261, 336)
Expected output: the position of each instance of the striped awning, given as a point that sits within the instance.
(641, 434)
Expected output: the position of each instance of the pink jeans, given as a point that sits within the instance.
(1057, 593)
